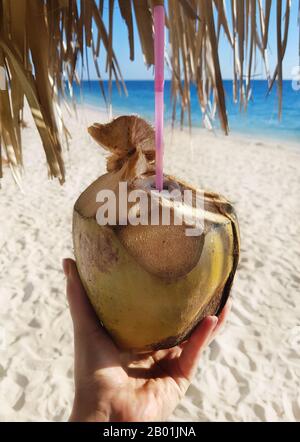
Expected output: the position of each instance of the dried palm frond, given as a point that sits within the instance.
(43, 43)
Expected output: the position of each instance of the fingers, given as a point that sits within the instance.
(195, 345)
(83, 316)
(93, 346)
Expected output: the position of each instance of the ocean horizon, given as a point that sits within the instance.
(260, 118)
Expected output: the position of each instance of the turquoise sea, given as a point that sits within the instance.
(260, 119)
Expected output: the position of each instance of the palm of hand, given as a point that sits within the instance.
(116, 386)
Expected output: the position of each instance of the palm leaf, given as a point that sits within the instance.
(44, 45)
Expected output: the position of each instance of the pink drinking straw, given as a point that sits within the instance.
(159, 47)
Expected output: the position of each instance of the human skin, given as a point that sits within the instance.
(111, 385)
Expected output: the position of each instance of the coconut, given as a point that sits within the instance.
(150, 285)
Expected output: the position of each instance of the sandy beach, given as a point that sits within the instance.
(251, 371)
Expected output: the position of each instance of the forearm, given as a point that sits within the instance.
(86, 409)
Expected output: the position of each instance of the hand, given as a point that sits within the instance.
(111, 385)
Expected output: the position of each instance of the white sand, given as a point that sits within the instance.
(251, 372)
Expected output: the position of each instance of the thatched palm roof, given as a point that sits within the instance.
(42, 42)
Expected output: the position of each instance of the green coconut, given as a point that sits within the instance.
(150, 285)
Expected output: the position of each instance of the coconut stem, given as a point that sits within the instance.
(159, 46)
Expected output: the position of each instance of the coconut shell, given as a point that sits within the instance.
(150, 285)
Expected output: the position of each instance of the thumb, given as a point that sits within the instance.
(83, 316)
(193, 348)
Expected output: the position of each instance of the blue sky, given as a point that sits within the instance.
(137, 70)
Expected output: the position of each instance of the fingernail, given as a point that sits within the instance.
(66, 267)
(214, 320)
